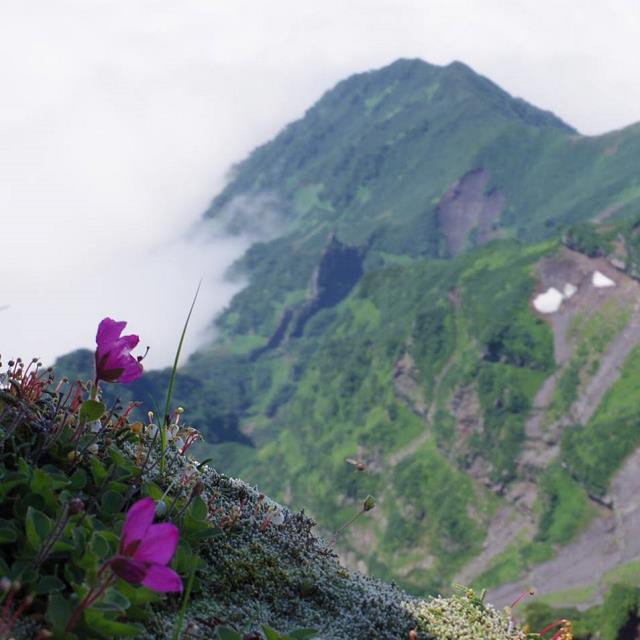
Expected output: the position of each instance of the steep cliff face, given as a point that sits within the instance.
(339, 270)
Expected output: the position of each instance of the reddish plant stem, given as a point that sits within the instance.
(90, 598)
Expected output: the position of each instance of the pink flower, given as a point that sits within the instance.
(146, 549)
(114, 362)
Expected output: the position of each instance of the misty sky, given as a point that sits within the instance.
(119, 119)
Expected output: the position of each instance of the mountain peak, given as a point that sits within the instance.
(416, 83)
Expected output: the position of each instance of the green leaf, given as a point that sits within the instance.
(79, 537)
(27, 499)
(92, 410)
(58, 611)
(199, 509)
(111, 502)
(204, 462)
(43, 484)
(224, 633)
(38, 526)
(271, 634)
(58, 477)
(185, 558)
(24, 571)
(112, 600)
(98, 470)
(98, 622)
(62, 546)
(78, 480)
(8, 532)
(99, 545)
(153, 491)
(138, 594)
(11, 481)
(49, 584)
(210, 533)
(118, 487)
(125, 467)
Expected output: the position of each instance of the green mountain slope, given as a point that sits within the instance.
(391, 323)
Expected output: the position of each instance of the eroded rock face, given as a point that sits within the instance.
(407, 387)
(468, 209)
(338, 271)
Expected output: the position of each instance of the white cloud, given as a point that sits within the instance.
(119, 119)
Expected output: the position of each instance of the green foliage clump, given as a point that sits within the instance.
(438, 498)
(617, 617)
(593, 452)
(565, 506)
(588, 238)
(65, 483)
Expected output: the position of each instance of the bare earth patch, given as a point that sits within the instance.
(468, 207)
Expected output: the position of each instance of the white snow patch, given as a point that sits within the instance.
(599, 280)
(569, 290)
(549, 301)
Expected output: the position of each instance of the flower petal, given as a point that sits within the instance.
(159, 543)
(109, 331)
(126, 343)
(139, 519)
(132, 371)
(133, 571)
(161, 578)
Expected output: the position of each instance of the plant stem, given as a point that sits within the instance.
(185, 601)
(88, 600)
(344, 526)
(172, 379)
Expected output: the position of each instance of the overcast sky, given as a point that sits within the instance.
(119, 118)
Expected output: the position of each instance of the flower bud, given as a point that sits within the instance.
(152, 430)
(161, 508)
(76, 506)
(93, 448)
(5, 584)
(136, 427)
(198, 488)
(369, 503)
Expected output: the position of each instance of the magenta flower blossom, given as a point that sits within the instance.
(146, 549)
(114, 362)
